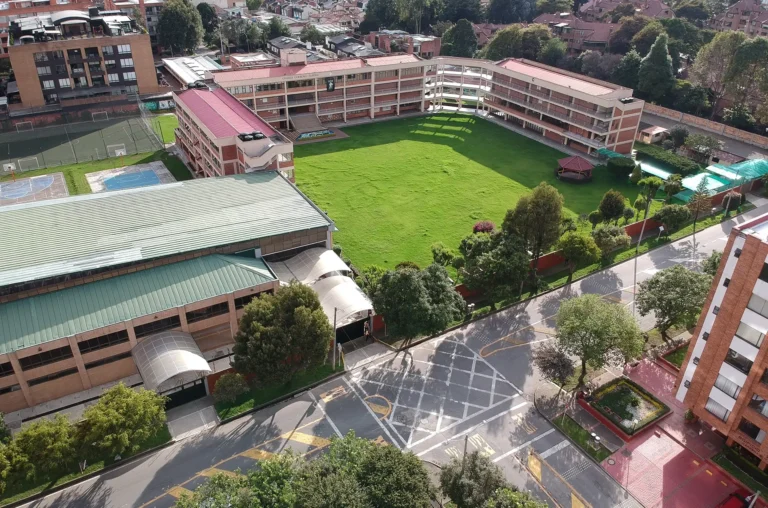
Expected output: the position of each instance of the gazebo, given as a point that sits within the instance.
(574, 168)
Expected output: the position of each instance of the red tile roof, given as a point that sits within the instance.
(224, 115)
(391, 60)
(298, 70)
(551, 76)
(598, 32)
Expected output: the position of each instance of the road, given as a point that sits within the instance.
(473, 385)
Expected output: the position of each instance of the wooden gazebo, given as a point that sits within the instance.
(574, 168)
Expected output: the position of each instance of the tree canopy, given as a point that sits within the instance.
(454, 10)
(511, 11)
(310, 33)
(496, 263)
(628, 70)
(578, 249)
(656, 77)
(180, 27)
(711, 67)
(471, 482)
(555, 6)
(673, 217)
(554, 364)
(612, 205)
(462, 39)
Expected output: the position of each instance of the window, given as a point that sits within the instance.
(108, 50)
(52, 98)
(758, 404)
(751, 430)
(240, 89)
(110, 64)
(157, 326)
(726, 282)
(48, 84)
(111, 359)
(763, 273)
(60, 69)
(45, 358)
(695, 360)
(716, 409)
(759, 305)
(727, 386)
(129, 76)
(245, 300)
(124, 49)
(131, 89)
(43, 71)
(207, 312)
(737, 253)
(58, 55)
(270, 86)
(715, 310)
(110, 339)
(749, 334)
(9, 389)
(738, 361)
(51, 377)
(126, 62)
(41, 57)
(64, 83)
(6, 369)
(764, 377)
(705, 336)
(114, 78)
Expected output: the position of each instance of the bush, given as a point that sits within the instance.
(229, 387)
(337, 249)
(407, 265)
(668, 145)
(732, 201)
(669, 161)
(484, 226)
(673, 217)
(621, 167)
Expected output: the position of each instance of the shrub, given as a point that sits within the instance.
(673, 217)
(610, 238)
(621, 167)
(669, 161)
(441, 254)
(229, 387)
(595, 218)
(668, 145)
(337, 249)
(484, 226)
(732, 201)
(636, 175)
(407, 265)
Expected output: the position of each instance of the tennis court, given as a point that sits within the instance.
(77, 142)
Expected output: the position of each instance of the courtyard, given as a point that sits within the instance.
(394, 188)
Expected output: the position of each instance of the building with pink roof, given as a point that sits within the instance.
(578, 34)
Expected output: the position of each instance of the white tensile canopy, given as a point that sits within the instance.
(166, 355)
(341, 295)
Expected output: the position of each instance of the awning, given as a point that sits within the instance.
(168, 354)
(340, 295)
(310, 265)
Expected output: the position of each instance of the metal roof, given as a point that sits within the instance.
(67, 312)
(79, 233)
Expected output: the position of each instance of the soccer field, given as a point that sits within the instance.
(395, 188)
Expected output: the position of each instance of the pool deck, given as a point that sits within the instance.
(97, 180)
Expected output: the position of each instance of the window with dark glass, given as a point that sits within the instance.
(51, 377)
(157, 326)
(6, 369)
(758, 304)
(207, 312)
(45, 358)
(751, 430)
(738, 361)
(243, 301)
(9, 389)
(105, 361)
(764, 273)
(758, 404)
(764, 377)
(717, 409)
(110, 339)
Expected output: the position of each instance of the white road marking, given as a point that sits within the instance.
(370, 411)
(320, 404)
(554, 449)
(527, 443)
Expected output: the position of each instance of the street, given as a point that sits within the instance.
(472, 386)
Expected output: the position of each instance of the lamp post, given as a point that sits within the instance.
(637, 252)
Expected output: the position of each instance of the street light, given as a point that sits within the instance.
(637, 252)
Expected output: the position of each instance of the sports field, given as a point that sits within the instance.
(394, 188)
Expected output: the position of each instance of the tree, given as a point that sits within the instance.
(578, 249)
(636, 175)
(699, 203)
(442, 255)
(554, 364)
(673, 217)
(379, 13)
(208, 17)
(455, 10)
(412, 11)
(650, 186)
(553, 51)
(621, 11)
(610, 238)
(123, 419)
(510, 11)
(229, 387)
(277, 28)
(629, 214)
(440, 28)
(5, 466)
(536, 219)
(627, 72)
(679, 133)
(5, 432)
(693, 12)
(597, 332)
(496, 264)
(621, 167)
(689, 98)
(462, 39)
(739, 116)
(675, 296)
(506, 43)
(243, 34)
(612, 206)
(395, 479)
(471, 481)
(369, 279)
(416, 302)
(310, 33)
(656, 75)
(639, 205)
(220, 491)
(595, 217)
(703, 145)
(253, 5)
(508, 497)
(555, 6)
(180, 27)
(535, 36)
(43, 447)
(644, 39)
(732, 200)
(672, 186)
(282, 334)
(712, 263)
(710, 68)
(748, 71)
(620, 41)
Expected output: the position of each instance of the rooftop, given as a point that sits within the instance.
(86, 232)
(557, 78)
(392, 60)
(190, 69)
(224, 115)
(298, 71)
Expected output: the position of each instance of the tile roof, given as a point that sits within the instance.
(224, 115)
(557, 78)
(78, 233)
(67, 312)
(598, 32)
(300, 70)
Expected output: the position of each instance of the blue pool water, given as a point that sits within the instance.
(132, 180)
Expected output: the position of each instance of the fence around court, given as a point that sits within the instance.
(81, 142)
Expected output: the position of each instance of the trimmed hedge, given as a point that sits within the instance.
(663, 408)
(669, 161)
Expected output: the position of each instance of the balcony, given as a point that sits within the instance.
(330, 111)
(75, 58)
(385, 103)
(582, 109)
(585, 140)
(527, 118)
(300, 102)
(358, 94)
(331, 98)
(411, 87)
(96, 71)
(385, 91)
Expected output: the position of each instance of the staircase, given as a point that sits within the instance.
(306, 123)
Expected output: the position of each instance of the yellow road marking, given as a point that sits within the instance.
(332, 394)
(576, 502)
(721, 481)
(214, 471)
(453, 452)
(378, 409)
(482, 445)
(696, 462)
(256, 454)
(534, 466)
(380, 441)
(383, 410)
(177, 492)
(309, 439)
(708, 472)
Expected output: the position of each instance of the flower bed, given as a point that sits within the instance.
(622, 402)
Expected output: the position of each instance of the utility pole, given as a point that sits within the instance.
(335, 310)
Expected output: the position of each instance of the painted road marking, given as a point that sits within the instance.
(380, 441)
(380, 409)
(321, 406)
(527, 426)
(309, 439)
(332, 394)
(370, 411)
(534, 466)
(482, 445)
(214, 471)
(256, 454)
(529, 442)
(177, 492)
(576, 502)
(554, 449)
(453, 452)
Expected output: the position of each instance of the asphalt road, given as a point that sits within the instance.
(472, 386)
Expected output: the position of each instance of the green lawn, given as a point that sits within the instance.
(164, 126)
(677, 356)
(395, 188)
(741, 469)
(582, 437)
(74, 174)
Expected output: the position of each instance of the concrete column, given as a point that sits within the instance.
(131, 335)
(183, 320)
(79, 362)
(21, 379)
(232, 314)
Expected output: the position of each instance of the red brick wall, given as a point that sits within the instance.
(229, 152)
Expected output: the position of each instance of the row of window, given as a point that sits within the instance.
(50, 84)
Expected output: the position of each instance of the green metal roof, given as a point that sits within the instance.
(68, 235)
(43, 318)
(714, 183)
(751, 169)
(609, 154)
(645, 167)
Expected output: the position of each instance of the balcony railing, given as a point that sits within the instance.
(330, 111)
(300, 102)
(385, 91)
(542, 109)
(338, 97)
(563, 102)
(358, 94)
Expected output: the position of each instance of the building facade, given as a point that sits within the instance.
(96, 58)
(583, 113)
(578, 34)
(748, 16)
(724, 376)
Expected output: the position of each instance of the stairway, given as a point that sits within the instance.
(307, 122)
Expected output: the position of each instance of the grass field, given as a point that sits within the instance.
(395, 188)
(164, 126)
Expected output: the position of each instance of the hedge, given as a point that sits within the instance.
(669, 161)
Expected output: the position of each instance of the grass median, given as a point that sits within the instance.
(583, 438)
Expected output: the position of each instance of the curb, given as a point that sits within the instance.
(283, 397)
(714, 465)
(84, 478)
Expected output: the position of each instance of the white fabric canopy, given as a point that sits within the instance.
(310, 265)
(341, 294)
(168, 354)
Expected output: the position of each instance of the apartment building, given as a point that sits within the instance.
(583, 113)
(150, 10)
(578, 34)
(597, 10)
(79, 55)
(399, 41)
(748, 16)
(148, 290)
(220, 136)
(724, 376)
